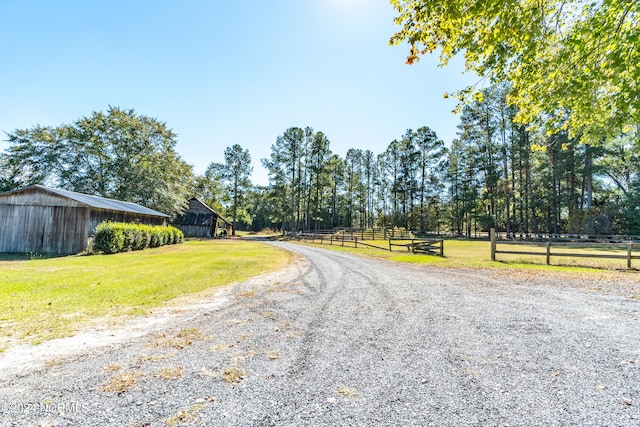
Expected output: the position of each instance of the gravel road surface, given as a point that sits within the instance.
(342, 340)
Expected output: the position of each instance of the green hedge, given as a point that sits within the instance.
(114, 237)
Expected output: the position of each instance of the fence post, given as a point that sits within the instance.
(492, 234)
(389, 244)
(629, 248)
(548, 253)
(355, 239)
(442, 247)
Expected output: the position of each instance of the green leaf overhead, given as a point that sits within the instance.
(574, 64)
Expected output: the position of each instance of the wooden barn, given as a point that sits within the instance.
(199, 220)
(39, 219)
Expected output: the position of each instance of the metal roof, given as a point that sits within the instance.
(97, 202)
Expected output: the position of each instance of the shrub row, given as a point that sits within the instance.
(112, 237)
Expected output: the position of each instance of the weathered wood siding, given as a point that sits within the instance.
(195, 230)
(195, 206)
(43, 229)
(34, 221)
(197, 221)
(35, 197)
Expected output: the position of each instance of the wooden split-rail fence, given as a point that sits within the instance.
(423, 246)
(629, 246)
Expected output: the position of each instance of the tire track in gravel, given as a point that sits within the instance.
(333, 286)
(384, 363)
(467, 332)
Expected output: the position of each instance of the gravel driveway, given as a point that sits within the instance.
(342, 340)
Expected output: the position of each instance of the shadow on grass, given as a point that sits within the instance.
(567, 265)
(589, 246)
(28, 256)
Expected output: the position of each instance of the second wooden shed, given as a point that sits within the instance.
(199, 220)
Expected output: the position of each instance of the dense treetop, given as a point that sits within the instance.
(116, 154)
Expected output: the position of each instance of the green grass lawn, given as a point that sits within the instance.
(477, 254)
(47, 298)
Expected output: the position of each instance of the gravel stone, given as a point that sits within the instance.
(340, 339)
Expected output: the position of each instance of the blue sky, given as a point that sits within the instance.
(222, 72)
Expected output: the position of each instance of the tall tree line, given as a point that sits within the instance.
(500, 174)
(314, 188)
(496, 173)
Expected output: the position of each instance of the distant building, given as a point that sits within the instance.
(199, 220)
(39, 219)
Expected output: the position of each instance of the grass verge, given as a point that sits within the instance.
(42, 299)
(477, 254)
